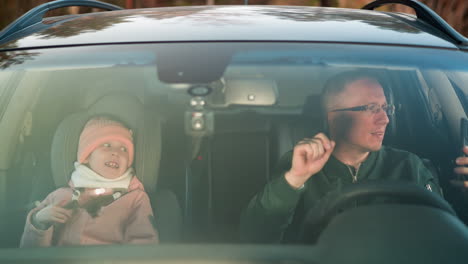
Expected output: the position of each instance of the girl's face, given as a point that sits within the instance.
(110, 160)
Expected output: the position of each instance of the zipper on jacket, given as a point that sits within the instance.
(355, 174)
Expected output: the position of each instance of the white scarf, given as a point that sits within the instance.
(84, 177)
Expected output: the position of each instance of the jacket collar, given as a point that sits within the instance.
(336, 172)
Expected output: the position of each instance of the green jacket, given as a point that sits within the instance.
(270, 213)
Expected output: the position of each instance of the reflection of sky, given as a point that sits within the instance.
(244, 54)
(87, 57)
(228, 23)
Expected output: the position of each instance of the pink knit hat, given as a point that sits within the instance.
(100, 130)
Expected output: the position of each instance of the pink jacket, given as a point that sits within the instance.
(128, 219)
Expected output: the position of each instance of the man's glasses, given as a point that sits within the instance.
(389, 109)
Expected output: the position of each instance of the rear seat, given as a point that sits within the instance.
(235, 164)
(231, 167)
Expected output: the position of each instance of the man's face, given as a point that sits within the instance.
(359, 130)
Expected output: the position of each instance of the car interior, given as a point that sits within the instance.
(200, 180)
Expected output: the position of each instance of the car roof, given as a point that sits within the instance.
(230, 23)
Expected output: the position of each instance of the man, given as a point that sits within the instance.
(357, 114)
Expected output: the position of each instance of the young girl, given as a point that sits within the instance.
(105, 203)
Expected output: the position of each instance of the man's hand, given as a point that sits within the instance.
(52, 214)
(462, 162)
(309, 157)
(462, 169)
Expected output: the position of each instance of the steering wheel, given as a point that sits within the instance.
(317, 218)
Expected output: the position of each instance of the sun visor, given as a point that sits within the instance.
(250, 92)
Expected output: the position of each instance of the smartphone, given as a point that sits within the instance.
(463, 135)
(463, 142)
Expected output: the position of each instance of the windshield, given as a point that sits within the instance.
(209, 123)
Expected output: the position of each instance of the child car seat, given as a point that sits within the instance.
(147, 139)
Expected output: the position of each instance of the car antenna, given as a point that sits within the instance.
(36, 14)
(425, 14)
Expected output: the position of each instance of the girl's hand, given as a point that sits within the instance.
(52, 214)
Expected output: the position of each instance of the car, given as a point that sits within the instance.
(215, 96)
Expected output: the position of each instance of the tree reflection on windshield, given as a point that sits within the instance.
(8, 59)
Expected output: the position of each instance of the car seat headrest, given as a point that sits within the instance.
(65, 147)
(128, 109)
(312, 106)
(313, 115)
